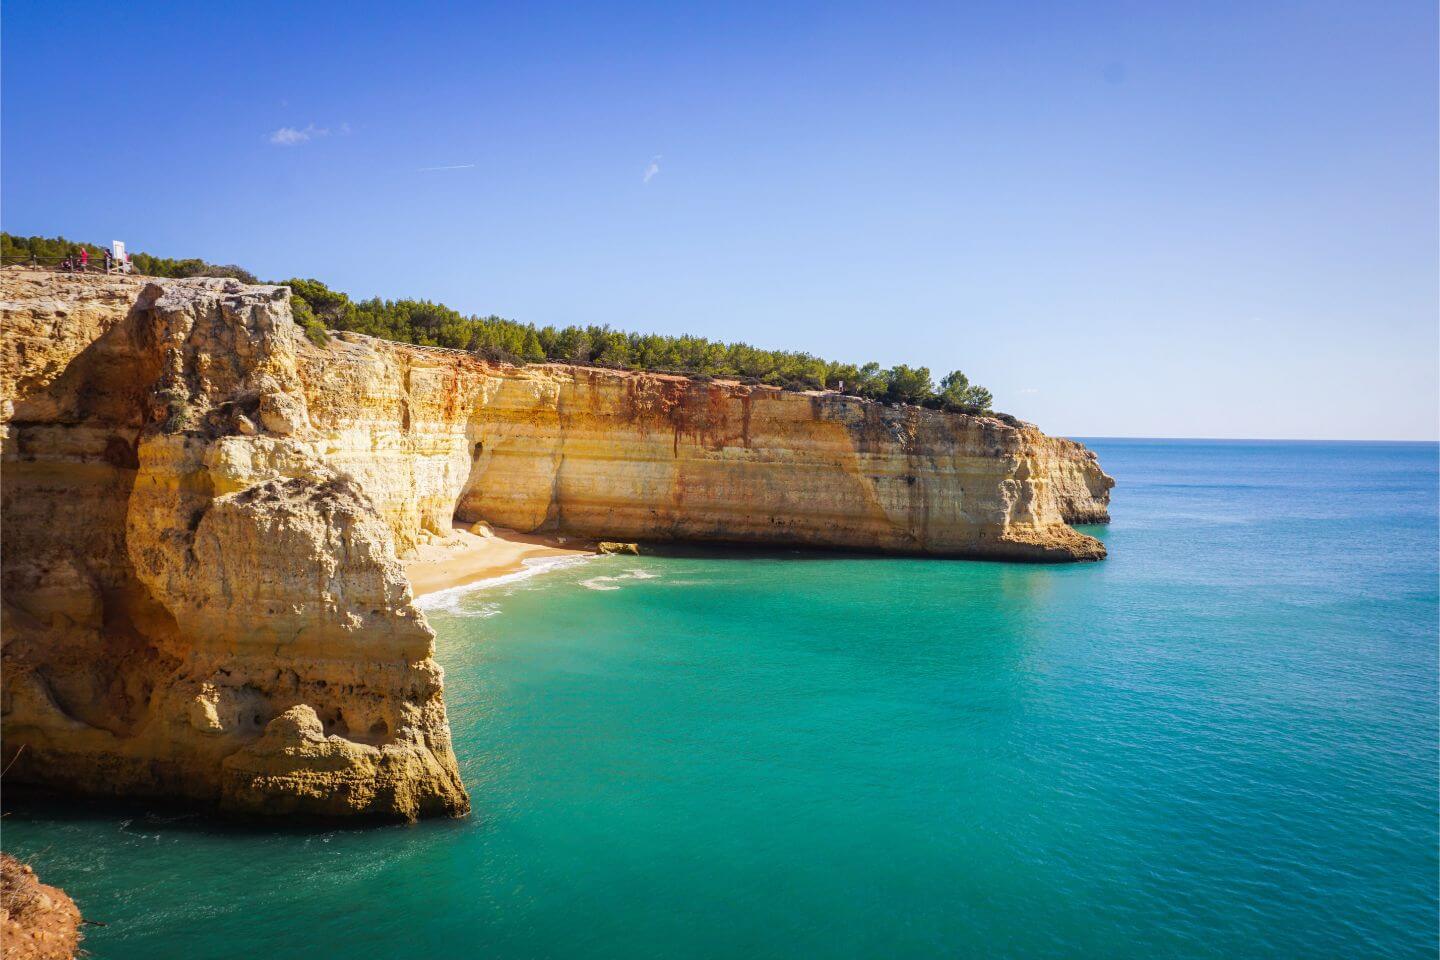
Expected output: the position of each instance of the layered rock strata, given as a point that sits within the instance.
(203, 512)
(605, 454)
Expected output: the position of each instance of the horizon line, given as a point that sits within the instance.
(1118, 436)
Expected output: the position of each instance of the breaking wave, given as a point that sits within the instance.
(449, 598)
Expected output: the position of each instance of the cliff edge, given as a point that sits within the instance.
(37, 921)
(203, 510)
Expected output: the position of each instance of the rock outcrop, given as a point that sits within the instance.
(203, 512)
(37, 922)
(194, 610)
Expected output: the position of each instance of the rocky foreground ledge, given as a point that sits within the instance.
(37, 922)
(203, 510)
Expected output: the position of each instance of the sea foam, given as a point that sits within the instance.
(614, 582)
(449, 598)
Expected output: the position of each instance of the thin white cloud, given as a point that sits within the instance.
(292, 136)
(289, 136)
(1028, 390)
(448, 166)
(653, 167)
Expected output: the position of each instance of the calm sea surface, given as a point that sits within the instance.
(1221, 742)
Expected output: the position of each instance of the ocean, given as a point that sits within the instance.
(1220, 742)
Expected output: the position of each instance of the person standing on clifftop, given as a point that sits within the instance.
(84, 260)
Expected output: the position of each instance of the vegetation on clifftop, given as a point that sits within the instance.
(51, 250)
(318, 308)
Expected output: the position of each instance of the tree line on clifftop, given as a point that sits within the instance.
(318, 309)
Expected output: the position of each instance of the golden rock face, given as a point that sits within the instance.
(434, 435)
(202, 513)
(195, 610)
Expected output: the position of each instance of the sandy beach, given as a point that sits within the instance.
(464, 558)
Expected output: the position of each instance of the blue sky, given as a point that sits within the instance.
(1144, 219)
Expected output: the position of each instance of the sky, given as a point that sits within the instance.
(1125, 219)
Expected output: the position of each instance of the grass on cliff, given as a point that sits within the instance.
(318, 308)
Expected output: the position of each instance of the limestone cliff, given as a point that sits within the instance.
(195, 604)
(435, 434)
(203, 510)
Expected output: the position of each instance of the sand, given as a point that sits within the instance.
(464, 558)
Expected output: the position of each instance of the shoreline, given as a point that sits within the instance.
(466, 559)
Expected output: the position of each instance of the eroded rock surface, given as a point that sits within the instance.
(178, 590)
(203, 510)
(611, 455)
(37, 921)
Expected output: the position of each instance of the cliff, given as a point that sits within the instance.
(203, 510)
(196, 605)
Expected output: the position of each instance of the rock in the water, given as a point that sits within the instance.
(615, 546)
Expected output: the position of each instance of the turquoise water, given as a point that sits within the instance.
(1221, 742)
